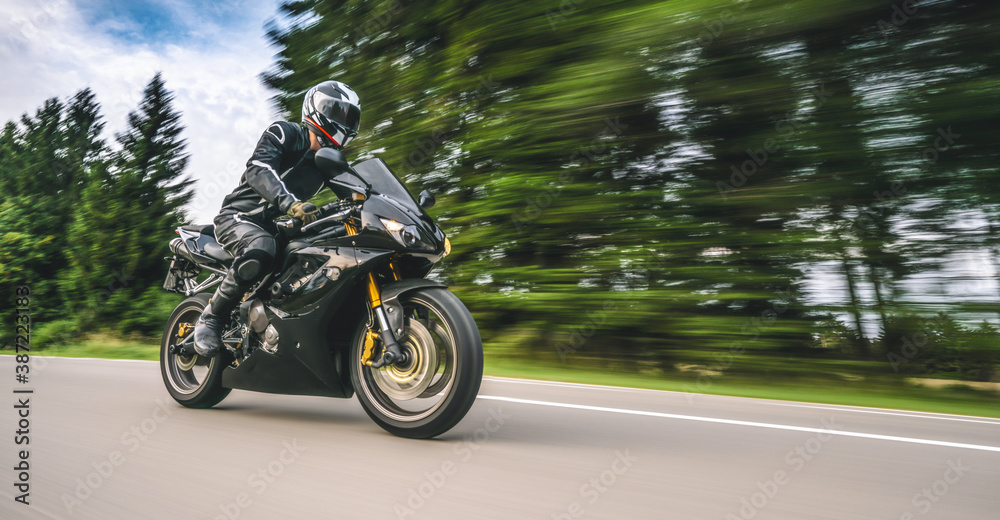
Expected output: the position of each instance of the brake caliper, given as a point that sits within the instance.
(182, 329)
(368, 351)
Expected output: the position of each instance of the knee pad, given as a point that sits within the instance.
(248, 270)
(255, 260)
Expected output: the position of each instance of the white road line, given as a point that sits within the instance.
(901, 413)
(773, 402)
(745, 423)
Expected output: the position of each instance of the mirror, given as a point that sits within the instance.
(331, 160)
(426, 200)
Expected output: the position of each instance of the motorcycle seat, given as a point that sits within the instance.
(207, 229)
(216, 252)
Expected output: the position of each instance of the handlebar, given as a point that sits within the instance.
(333, 211)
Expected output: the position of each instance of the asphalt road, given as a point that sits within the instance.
(107, 442)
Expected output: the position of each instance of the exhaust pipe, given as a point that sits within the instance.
(178, 247)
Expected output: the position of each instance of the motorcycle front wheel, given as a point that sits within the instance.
(192, 380)
(434, 389)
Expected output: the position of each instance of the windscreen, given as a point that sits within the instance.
(384, 182)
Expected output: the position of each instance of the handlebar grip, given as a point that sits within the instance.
(288, 224)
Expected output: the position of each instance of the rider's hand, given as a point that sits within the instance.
(304, 211)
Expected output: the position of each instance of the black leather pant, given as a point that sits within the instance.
(253, 249)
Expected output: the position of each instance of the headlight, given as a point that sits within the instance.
(408, 236)
(447, 246)
(391, 225)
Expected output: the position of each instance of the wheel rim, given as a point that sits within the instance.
(185, 373)
(446, 363)
(432, 375)
(410, 380)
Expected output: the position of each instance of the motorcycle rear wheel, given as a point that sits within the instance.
(434, 390)
(192, 381)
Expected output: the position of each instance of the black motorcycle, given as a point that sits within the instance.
(346, 308)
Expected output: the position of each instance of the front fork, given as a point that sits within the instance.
(391, 351)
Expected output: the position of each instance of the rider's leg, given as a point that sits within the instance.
(254, 251)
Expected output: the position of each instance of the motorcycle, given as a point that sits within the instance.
(346, 308)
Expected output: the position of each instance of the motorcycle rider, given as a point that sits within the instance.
(280, 177)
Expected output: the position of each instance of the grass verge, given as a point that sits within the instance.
(105, 347)
(958, 399)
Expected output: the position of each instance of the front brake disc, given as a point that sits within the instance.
(408, 381)
(445, 359)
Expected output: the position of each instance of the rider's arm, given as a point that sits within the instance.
(262, 169)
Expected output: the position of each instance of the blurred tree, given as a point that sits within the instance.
(131, 202)
(689, 165)
(457, 95)
(844, 173)
(42, 165)
(37, 184)
(647, 182)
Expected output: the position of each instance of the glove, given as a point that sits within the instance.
(304, 211)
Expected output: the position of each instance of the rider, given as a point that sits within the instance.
(280, 176)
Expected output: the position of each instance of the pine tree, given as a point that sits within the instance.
(127, 212)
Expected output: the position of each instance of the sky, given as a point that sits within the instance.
(210, 54)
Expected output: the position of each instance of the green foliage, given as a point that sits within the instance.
(54, 333)
(132, 201)
(87, 226)
(940, 347)
(147, 314)
(649, 184)
(689, 163)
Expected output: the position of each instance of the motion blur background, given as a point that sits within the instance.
(774, 191)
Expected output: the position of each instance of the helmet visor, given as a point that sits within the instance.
(339, 111)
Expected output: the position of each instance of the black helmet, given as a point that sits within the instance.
(332, 110)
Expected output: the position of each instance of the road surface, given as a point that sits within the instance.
(107, 442)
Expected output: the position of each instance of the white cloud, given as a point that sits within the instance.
(49, 50)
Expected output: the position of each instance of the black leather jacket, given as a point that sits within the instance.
(280, 172)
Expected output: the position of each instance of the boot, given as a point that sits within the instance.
(209, 327)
